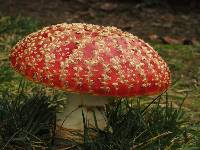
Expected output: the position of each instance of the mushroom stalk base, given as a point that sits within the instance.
(70, 121)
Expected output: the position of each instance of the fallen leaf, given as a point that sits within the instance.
(170, 40)
(154, 37)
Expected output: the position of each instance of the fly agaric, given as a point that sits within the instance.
(91, 62)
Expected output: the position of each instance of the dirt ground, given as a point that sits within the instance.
(140, 20)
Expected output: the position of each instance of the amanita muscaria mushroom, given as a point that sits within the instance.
(91, 62)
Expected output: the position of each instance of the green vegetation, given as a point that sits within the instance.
(25, 120)
(163, 125)
(12, 29)
(28, 121)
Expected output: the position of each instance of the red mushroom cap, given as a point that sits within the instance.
(92, 59)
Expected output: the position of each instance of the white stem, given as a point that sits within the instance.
(72, 117)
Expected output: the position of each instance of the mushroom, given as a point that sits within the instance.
(92, 63)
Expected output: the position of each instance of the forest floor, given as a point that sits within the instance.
(140, 19)
(175, 34)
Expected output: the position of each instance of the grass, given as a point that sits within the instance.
(184, 64)
(28, 121)
(12, 29)
(25, 120)
(133, 127)
(161, 127)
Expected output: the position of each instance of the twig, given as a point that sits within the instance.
(152, 139)
(67, 148)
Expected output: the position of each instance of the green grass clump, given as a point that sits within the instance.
(17, 26)
(12, 29)
(138, 127)
(192, 142)
(27, 121)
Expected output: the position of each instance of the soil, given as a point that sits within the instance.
(140, 20)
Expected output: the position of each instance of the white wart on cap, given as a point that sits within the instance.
(94, 59)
